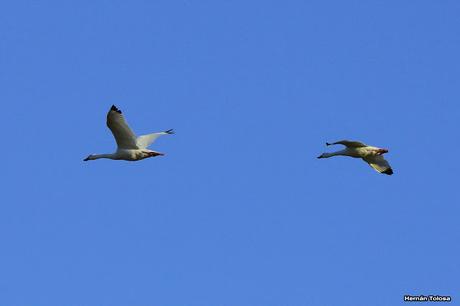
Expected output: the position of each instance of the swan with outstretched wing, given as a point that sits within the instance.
(129, 147)
(371, 155)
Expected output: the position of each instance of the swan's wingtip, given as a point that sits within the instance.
(115, 109)
(388, 171)
(170, 131)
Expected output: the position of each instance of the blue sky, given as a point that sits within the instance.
(239, 211)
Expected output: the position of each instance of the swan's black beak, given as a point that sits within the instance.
(86, 159)
(153, 154)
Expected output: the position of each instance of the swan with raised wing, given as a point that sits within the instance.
(371, 155)
(129, 147)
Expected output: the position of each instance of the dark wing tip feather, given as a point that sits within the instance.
(115, 109)
(170, 131)
(328, 144)
(388, 171)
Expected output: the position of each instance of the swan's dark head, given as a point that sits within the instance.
(88, 158)
(382, 151)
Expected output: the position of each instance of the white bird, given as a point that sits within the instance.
(371, 155)
(129, 147)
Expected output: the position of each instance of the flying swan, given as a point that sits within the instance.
(371, 155)
(129, 147)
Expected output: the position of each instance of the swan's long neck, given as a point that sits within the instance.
(337, 153)
(97, 156)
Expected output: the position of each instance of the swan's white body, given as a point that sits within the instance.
(371, 155)
(129, 147)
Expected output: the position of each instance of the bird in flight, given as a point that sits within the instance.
(129, 147)
(371, 155)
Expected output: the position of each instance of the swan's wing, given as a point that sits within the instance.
(124, 136)
(146, 140)
(348, 143)
(379, 164)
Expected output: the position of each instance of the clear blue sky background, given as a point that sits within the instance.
(239, 212)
